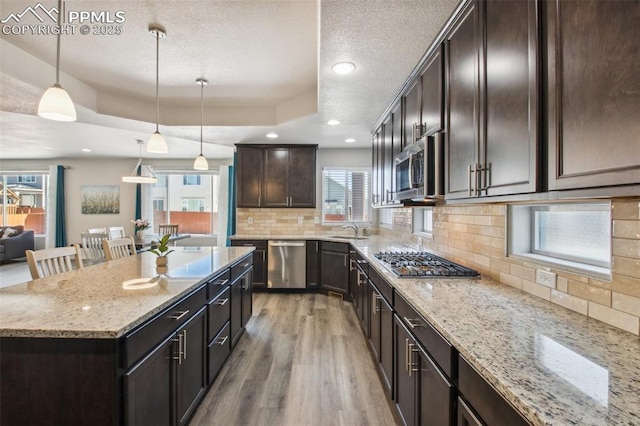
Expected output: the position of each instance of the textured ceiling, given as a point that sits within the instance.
(268, 63)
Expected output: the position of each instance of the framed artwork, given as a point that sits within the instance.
(101, 199)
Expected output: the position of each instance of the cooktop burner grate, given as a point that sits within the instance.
(422, 264)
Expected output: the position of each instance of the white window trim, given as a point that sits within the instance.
(368, 205)
(415, 228)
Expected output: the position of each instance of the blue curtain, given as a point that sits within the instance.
(139, 197)
(61, 231)
(231, 222)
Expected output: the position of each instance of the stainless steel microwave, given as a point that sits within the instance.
(419, 169)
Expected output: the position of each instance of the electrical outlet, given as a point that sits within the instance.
(546, 278)
(250, 220)
(300, 220)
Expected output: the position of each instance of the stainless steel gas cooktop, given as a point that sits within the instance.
(407, 264)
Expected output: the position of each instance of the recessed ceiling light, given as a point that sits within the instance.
(85, 150)
(350, 140)
(272, 135)
(343, 67)
(333, 122)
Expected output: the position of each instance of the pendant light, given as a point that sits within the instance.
(201, 161)
(157, 143)
(136, 175)
(55, 103)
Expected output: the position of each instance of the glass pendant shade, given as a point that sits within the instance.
(157, 144)
(56, 104)
(200, 163)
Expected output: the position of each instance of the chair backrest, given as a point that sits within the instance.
(92, 245)
(116, 232)
(167, 229)
(119, 248)
(97, 230)
(52, 261)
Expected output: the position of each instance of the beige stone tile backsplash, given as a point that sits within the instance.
(474, 236)
(283, 222)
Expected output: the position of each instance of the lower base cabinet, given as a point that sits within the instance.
(165, 387)
(218, 351)
(424, 396)
(334, 263)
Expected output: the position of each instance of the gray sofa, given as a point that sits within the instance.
(15, 246)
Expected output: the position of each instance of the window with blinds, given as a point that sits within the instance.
(345, 195)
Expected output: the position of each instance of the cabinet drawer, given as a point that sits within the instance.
(437, 346)
(383, 286)
(219, 311)
(217, 284)
(484, 399)
(259, 244)
(141, 340)
(241, 267)
(361, 262)
(218, 351)
(337, 247)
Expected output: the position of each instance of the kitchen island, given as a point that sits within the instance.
(554, 366)
(73, 346)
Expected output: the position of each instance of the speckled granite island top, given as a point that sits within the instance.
(109, 299)
(555, 366)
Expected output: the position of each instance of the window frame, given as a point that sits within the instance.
(418, 223)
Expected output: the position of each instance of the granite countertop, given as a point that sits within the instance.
(555, 366)
(109, 299)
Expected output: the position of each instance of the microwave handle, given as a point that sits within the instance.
(411, 171)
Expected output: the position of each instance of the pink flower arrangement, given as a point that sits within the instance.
(140, 224)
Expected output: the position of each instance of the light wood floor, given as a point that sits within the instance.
(302, 361)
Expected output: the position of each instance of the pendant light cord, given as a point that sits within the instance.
(60, 15)
(157, 79)
(201, 112)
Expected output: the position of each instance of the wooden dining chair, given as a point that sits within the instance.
(119, 248)
(116, 232)
(97, 230)
(52, 261)
(91, 247)
(167, 229)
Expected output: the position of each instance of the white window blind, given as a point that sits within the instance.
(345, 195)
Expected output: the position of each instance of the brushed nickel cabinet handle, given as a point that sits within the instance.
(223, 341)
(245, 265)
(184, 345)
(221, 302)
(221, 282)
(406, 355)
(410, 351)
(413, 323)
(178, 315)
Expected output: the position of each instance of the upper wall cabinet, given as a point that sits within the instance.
(593, 93)
(432, 116)
(492, 105)
(276, 176)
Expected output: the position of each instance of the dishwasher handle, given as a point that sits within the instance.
(286, 244)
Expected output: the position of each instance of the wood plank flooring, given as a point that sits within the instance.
(301, 361)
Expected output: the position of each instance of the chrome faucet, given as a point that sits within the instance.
(352, 226)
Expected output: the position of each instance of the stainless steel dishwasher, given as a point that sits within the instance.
(287, 264)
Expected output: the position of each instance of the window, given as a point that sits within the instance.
(385, 217)
(27, 179)
(422, 220)
(345, 195)
(189, 200)
(577, 236)
(193, 204)
(191, 180)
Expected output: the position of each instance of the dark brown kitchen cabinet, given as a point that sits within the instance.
(432, 90)
(249, 176)
(424, 396)
(463, 102)
(166, 385)
(376, 169)
(290, 179)
(387, 159)
(492, 101)
(313, 263)
(259, 261)
(381, 333)
(285, 176)
(482, 403)
(241, 297)
(411, 121)
(593, 93)
(334, 264)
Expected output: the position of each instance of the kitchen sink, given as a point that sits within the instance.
(349, 237)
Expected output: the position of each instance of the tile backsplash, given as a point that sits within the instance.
(475, 236)
(283, 222)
